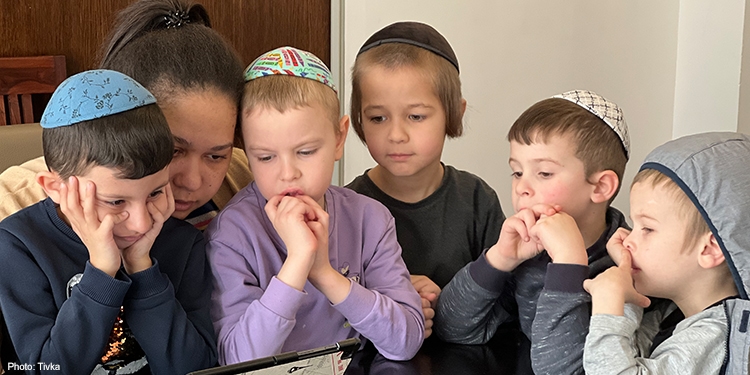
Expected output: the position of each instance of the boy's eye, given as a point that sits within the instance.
(307, 152)
(647, 229)
(516, 174)
(545, 174)
(177, 151)
(377, 119)
(416, 117)
(116, 203)
(156, 193)
(264, 159)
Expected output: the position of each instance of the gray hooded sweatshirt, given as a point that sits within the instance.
(713, 169)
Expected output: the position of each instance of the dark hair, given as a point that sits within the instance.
(137, 142)
(438, 70)
(597, 145)
(169, 47)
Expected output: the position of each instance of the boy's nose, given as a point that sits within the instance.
(289, 170)
(397, 132)
(139, 219)
(522, 187)
(186, 174)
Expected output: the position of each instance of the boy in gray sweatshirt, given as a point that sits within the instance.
(690, 244)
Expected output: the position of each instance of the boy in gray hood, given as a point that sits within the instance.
(690, 245)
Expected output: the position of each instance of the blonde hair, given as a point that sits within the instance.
(597, 145)
(696, 224)
(442, 74)
(282, 93)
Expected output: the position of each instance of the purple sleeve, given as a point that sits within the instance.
(250, 322)
(387, 310)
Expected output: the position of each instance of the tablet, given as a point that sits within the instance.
(326, 360)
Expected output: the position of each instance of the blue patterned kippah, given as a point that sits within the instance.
(93, 94)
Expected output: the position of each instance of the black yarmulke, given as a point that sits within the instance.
(414, 33)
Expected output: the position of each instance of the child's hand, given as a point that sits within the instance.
(319, 227)
(323, 276)
(289, 216)
(613, 288)
(95, 234)
(428, 293)
(136, 257)
(615, 245)
(429, 314)
(426, 288)
(515, 244)
(562, 239)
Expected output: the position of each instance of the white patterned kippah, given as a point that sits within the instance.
(606, 110)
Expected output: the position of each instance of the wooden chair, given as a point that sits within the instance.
(22, 77)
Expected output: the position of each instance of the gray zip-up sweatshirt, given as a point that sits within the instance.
(712, 169)
(547, 298)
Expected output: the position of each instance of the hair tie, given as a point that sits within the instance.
(176, 18)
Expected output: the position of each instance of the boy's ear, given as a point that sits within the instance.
(341, 137)
(50, 182)
(710, 254)
(605, 185)
(463, 107)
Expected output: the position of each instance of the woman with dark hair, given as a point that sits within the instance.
(196, 77)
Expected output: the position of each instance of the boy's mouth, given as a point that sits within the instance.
(292, 192)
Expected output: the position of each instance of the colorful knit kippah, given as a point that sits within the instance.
(290, 61)
(93, 94)
(606, 110)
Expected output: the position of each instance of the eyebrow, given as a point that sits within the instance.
(644, 216)
(124, 197)
(185, 142)
(538, 160)
(416, 105)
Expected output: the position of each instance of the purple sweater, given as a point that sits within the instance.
(256, 315)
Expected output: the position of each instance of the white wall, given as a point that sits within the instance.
(514, 53)
(709, 56)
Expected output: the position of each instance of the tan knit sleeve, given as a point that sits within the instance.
(18, 186)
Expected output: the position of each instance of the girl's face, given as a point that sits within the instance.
(403, 120)
(202, 123)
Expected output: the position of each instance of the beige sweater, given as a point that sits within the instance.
(19, 189)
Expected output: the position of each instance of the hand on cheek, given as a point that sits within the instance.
(78, 204)
(136, 257)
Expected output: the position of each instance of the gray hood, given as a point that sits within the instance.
(714, 171)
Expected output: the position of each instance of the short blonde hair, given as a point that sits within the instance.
(696, 224)
(282, 93)
(442, 74)
(597, 145)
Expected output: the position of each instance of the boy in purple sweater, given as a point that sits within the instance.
(298, 263)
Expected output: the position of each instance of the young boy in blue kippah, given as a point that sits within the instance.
(98, 278)
(298, 263)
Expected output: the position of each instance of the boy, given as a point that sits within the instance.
(689, 244)
(406, 101)
(567, 154)
(98, 277)
(298, 263)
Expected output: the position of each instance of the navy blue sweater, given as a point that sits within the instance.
(166, 306)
